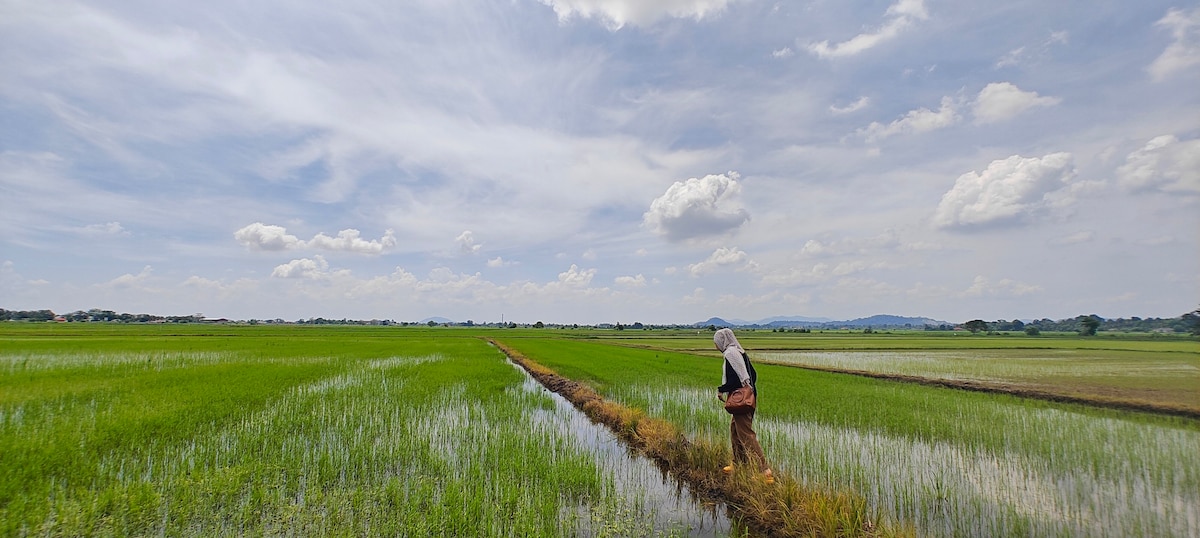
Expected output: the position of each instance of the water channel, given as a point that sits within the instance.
(645, 487)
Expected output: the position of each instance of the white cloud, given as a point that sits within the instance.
(1008, 191)
(1000, 101)
(1166, 164)
(850, 246)
(917, 121)
(575, 277)
(722, 257)
(466, 243)
(1026, 54)
(785, 52)
(637, 281)
(1184, 50)
(106, 229)
(697, 208)
(617, 13)
(902, 15)
(259, 236)
(499, 262)
(1013, 57)
(314, 268)
(128, 280)
(982, 286)
(860, 104)
(349, 240)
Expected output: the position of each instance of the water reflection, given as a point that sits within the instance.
(637, 479)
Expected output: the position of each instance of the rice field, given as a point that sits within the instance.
(1167, 379)
(351, 433)
(952, 463)
(355, 431)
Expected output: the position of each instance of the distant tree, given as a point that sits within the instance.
(1088, 325)
(976, 325)
(1192, 321)
(539, 325)
(1032, 331)
(431, 323)
(1017, 325)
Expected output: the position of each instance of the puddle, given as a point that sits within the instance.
(645, 487)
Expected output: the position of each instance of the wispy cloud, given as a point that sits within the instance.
(1184, 50)
(900, 16)
(921, 120)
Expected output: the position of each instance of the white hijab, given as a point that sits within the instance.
(732, 350)
(724, 339)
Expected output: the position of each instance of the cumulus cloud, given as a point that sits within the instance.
(637, 281)
(349, 240)
(917, 121)
(1184, 50)
(466, 243)
(259, 236)
(499, 262)
(860, 104)
(576, 277)
(1007, 192)
(722, 257)
(1165, 164)
(697, 208)
(128, 280)
(1000, 101)
(785, 52)
(615, 14)
(313, 268)
(900, 16)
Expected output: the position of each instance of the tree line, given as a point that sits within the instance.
(1086, 325)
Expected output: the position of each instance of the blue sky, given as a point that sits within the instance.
(587, 161)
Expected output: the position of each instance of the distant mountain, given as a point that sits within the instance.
(717, 322)
(768, 321)
(891, 321)
(437, 320)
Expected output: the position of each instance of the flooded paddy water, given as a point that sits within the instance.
(648, 493)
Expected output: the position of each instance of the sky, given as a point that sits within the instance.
(592, 161)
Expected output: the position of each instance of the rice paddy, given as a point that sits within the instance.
(110, 430)
(952, 463)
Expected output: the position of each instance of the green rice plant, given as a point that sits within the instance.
(291, 432)
(948, 461)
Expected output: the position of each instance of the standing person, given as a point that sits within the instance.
(738, 372)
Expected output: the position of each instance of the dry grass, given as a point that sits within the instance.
(782, 509)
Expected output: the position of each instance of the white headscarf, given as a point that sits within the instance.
(724, 338)
(732, 350)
